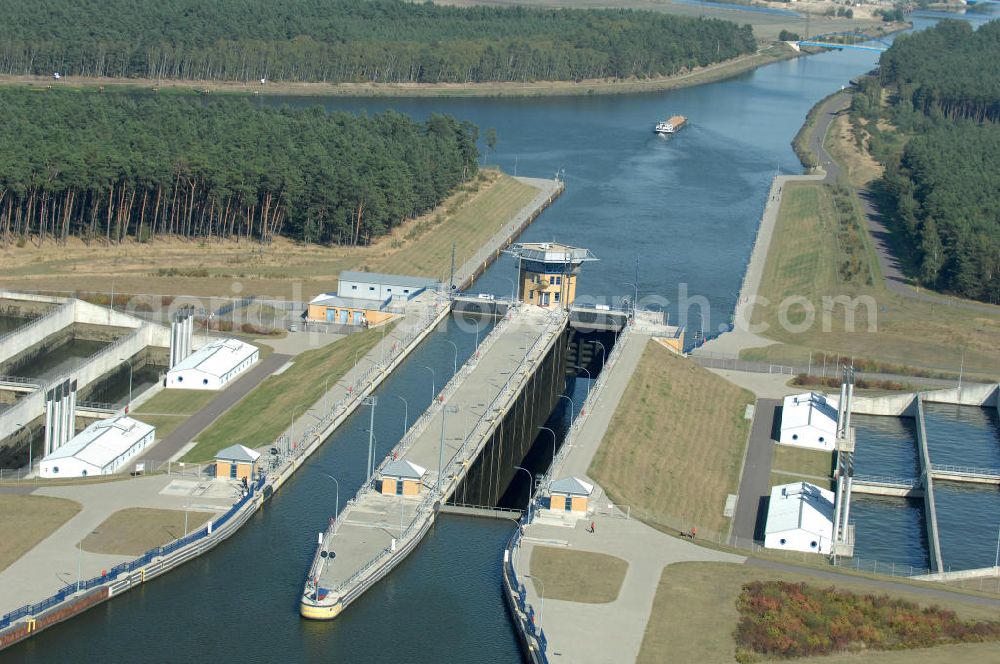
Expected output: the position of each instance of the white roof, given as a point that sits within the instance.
(800, 505)
(572, 486)
(238, 453)
(401, 280)
(403, 469)
(810, 409)
(217, 357)
(103, 441)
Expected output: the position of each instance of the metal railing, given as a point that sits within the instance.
(965, 470)
(38, 320)
(132, 565)
(891, 480)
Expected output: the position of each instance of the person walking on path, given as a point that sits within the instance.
(592, 526)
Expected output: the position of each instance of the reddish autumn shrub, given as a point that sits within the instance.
(786, 620)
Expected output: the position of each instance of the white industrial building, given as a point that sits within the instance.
(101, 449)
(376, 286)
(809, 420)
(213, 366)
(800, 518)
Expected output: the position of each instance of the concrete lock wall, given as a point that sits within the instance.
(492, 471)
(970, 394)
(33, 405)
(27, 335)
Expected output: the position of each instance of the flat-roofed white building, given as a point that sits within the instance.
(101, 449)
(800, 518)
(377, 286)
(809, 420)
(213, 366)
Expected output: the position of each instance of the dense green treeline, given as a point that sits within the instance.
(950, 69)
(110, 166)
(940, 89)
(947, 201)
(352, 40)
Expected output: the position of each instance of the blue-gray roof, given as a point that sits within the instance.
(387, 279)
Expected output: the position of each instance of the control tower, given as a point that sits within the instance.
(547, 272)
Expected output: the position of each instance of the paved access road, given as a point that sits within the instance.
(756, 479)
(225, 400)
(892, 270)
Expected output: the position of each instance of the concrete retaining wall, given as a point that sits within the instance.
(959, 574)
(40, 328)
(896, 405)
(930, 512)
(970, 394)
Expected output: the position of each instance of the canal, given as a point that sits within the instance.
(681, 212)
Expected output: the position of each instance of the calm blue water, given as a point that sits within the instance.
(890, 530)
(886, 446)
(962, 435)
(968, 522)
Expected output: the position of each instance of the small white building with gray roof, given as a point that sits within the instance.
(800, 518)
(213, 366)
(809, 420)
(102, 448)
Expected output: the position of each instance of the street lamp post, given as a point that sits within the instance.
(433, 382)
(996, 561)
(635, 300)
(513, 290)
(530, 480)
(577, 366)
(291, 426)
(479, 322)
(336, 504)
(121, 360)
(541, 598)
(553, 442)
(406, 414)
(444, 411)
(572, 408)
(455, 346)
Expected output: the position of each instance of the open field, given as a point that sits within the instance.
(26, 520)
(225, 268)
(905, 331)
(694, 615)
(136, 530)
(674, 447)
(858, 166)
(269, 409)
(577, 576)
(168, 409)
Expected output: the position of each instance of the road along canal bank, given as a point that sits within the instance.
(422, 315)
(392, 512)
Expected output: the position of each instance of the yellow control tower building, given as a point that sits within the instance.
(547, 272)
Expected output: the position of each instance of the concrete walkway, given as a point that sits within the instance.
(612, 632)
(54, 561)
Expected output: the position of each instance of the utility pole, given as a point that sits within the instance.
(451, 281)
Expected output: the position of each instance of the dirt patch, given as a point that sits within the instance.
(134, 531)
(577, 576)
(26, 520)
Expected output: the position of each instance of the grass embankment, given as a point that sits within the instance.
(26, 520)
(168, 409)
(281, 269)
(267, 411)
(820, 249)
(577, 576)
(674, 447)
(136, 530)
(793, 464)
(694, 617)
